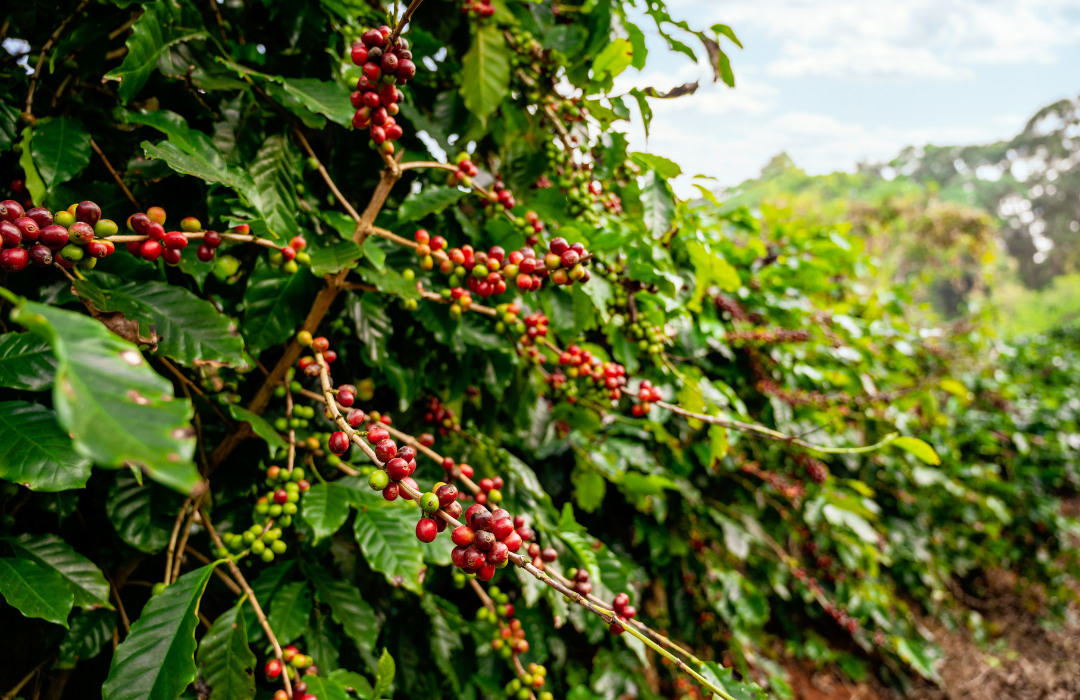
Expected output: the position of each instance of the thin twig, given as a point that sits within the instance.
(116, 597)
(14, 692)
(403, 21)
(218, 572)
(184, 537)
(518, 560)
(172, 540)
(116, 176)
(187, 382)
(325, 175)
(41, 57)
(251, 599)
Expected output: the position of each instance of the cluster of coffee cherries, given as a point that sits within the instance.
(647, 395)
(376, 98)
(290, 258)
(478, 8)
(399, 463)
(536, 327)
(607, 376)
(530, 226)
(509, 318)
(167, 245)
(466, 171)
(273, 511)
(486, 541)
(71, 237)
(307, 363)
(500, 199)
(533, 678)
(296, 664)
(439, 415)
(649, 338)
(623, 609)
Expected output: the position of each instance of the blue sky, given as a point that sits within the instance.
(834, 82)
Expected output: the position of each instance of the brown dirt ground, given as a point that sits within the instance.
(1020, 660)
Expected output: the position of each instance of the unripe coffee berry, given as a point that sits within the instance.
(429, 503)
(378, 480)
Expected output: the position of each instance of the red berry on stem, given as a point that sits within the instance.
(391, 492)
(355, 418)
(338, 443)
(150, 250)
(377, 434)
(558, 246)
(501, 528)
(462, 536)
(398, 469)
(273, 669)
(320, 344)
(281, 496)
(385, 450)
(14, 259)
(426, 530)
(88, 213)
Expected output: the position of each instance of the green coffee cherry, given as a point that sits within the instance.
(429, 503)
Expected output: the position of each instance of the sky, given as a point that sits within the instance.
(837, 82)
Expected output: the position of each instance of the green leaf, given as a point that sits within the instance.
(353, 682)
(432, 199)
(325, 508)
(157, 659)
(61, 149)
(162, 24)
(727, 31)
(348, 608)
(26, 362)
(445, 639)
(35, 590)
(36, 452)
(637, 41)
(9, 125)
(643, 107)
(665, 168)
(259, 426)
(86, 581)
(485, 79)
(114, 406)
(384, 674)
(274, 305)
(34, 183)
(659, 204)
(325, 688)
(710, 269)
(569, 39)
(225, 661)
(372, 326)
(722, 678)
(289, 611)
(191, 329)
(322, 641)
(274, 172)
(335, 257)
(385, 533)
(327, 98)
(613, 59)
(86, 637)
(918, 448)
(265, 587)
(129, 507)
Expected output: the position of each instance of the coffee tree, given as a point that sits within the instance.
(403, 376)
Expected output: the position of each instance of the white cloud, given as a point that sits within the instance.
(911, 39)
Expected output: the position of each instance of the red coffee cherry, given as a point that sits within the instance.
(426, 530)
(338, 443)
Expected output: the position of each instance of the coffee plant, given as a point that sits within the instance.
(402, 376)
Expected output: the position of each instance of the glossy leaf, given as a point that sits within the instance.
(61, 149)
(156, 661)
(325, 508)
(334, 257)
(163, 24)
(919, 448)
(191, 330)
(224, 659)
(430, 200)
(274, 171)
(86, 637)
(348, 608)
(274, 305)
(26, 362)
(35, 451)
(86, 581)
(326, 688)
(259, 426)
(34, 184)
(35, 590)
(385, 533)
(659, 205)
(130, 507)
(485, 72)
(289, 611)
(384, 674)
(117, 409)
(723, 678)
